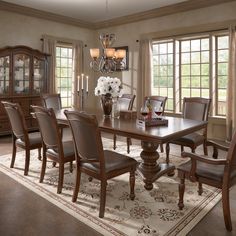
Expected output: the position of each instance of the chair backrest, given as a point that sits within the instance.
(126, 102)
(157, 101)
(48, 127)
(86, 136)
(196, 108)
(51, 101)
(17, 120)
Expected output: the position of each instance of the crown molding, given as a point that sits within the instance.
(44, 15)
(158, 12)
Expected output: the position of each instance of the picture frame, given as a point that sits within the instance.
(126, 59)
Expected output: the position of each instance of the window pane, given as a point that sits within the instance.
(185, 70)
(205, 56)
(205, 82)
(195, 93)
(195, 70)
(185, 58)
(223, 55)
(205, 69)
(163, 48)
(195, 57)
(223, 42)
(185, 82)
(195, 45)
(195, 82)
(185, 46)
(205, 44)
(222, 81)
(222, 68)
(205, 93)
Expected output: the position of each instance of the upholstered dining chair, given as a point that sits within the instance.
(126, 102)
(20, 136)
(53, 147)
(195, 108)
(53, 101)
(157, 101)
(219, 173)
(96, 162)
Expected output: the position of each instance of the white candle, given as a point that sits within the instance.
(87, 83)
(82, 82)
(78, 83)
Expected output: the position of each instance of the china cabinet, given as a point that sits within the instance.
(23, 77)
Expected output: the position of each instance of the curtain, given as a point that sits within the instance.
(144, 71)
(231, 88)
(49, 47)
(78, 69)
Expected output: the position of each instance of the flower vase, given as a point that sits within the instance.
(106, 101)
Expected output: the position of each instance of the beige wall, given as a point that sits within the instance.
(24, 30)
(19, 29)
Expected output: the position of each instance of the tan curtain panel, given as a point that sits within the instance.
(78, 70)
(231, 89)
(49, 46)
(144, 71)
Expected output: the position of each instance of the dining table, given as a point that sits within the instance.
(151, 137)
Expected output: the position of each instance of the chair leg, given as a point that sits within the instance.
(61, 177)
(43, 168)
(54, 163)
(39, 154)
(193, 150)
(162, 148)
(71, 166)
(181, 190)
(128, 144)
(167, 153)
(226, 209)
(77, 185)
(114, 142)
(27, 161)
(200, 189)
(205, 148)
(215, 153)
(102, 198)
(182, 148)
(13, 154)
(132, 183)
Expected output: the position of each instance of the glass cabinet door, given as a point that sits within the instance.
(21, 74)
(4, 75)
(39, 76)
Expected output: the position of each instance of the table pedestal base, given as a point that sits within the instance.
(149, 168)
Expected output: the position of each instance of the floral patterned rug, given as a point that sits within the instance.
(152, 212)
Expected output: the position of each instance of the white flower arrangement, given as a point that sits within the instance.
(108, 86)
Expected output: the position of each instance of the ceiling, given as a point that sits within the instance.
(94, 11)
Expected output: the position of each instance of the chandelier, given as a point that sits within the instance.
(110, 59)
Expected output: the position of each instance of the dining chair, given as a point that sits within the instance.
(53, 101)
(96, 162)
(219, 173)
(126, 102)
(20, 136)
(53, 147)
(157, 101)
(195, 108)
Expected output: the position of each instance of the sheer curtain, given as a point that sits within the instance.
(231, 89)
(49, 46)
(145, 71)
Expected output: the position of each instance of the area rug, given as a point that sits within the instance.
(152, 212)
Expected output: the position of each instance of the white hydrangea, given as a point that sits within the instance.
(108, 86)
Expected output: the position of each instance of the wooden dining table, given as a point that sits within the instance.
(151, 137)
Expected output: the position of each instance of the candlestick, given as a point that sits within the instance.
(82, 82)
(78, 83)
(86, 83)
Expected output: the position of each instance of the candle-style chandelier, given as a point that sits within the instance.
(110, 59)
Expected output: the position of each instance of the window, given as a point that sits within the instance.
(64, 74)
(191, 67)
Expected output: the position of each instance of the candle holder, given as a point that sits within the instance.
(82, 95)
(83, 92)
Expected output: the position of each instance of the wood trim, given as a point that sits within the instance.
(158, 12)
(44, 15)
(162, 11)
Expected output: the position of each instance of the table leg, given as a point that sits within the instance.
(149, 168)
